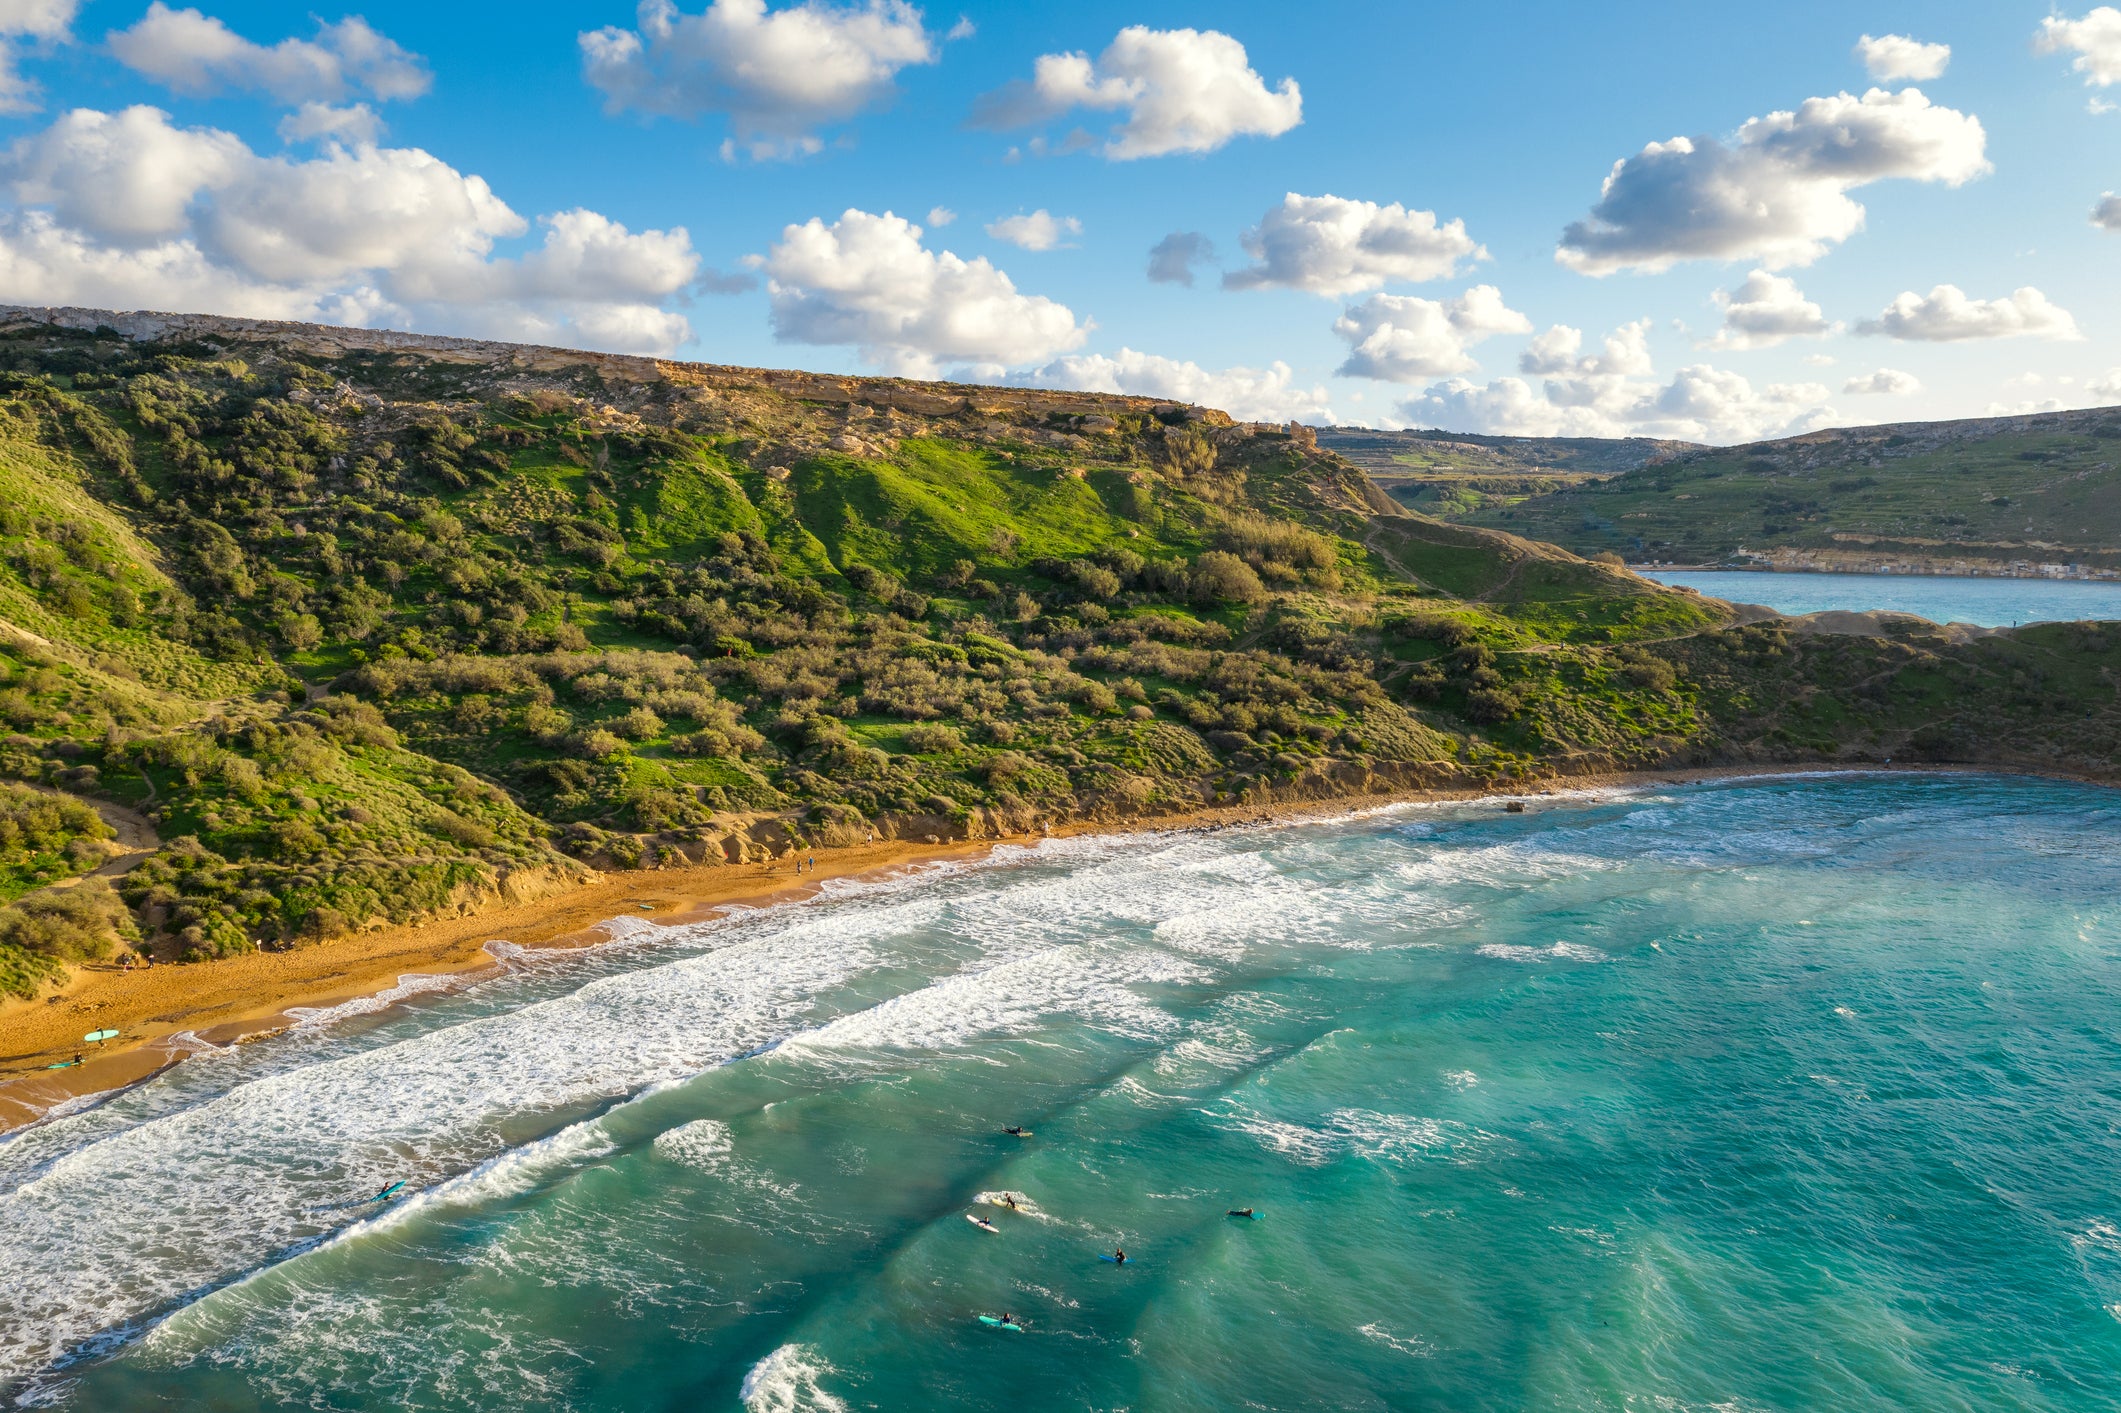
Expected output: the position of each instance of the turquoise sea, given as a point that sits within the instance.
(1800, 1093)
(1985, 602)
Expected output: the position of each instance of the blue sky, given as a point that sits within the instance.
(483, 169)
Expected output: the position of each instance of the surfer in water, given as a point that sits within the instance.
(1240, 1211)
(1119, 1256)
(1009, 1200)
(1017, 1131)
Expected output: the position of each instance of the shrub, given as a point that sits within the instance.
(83, 923)
(1221, 577)
(640, 724)
(929, 739)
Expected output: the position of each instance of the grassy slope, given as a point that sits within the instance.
(370, 636)
(2041, 489)
(1453, 475)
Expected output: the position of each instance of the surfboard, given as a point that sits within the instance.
(983, 1224)
(1114, 1260)
(998, 1202)
(997, 1324)
(389, 1192)
(97, 1037)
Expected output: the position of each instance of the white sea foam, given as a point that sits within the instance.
(1409, 1345)
(1557, 952)
(408, 986)
(1089, 982)
(705, 1144)
(789, 1380)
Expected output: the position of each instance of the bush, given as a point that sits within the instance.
(640, 724)
(1221, 577)
(78, 924)
(928, 739)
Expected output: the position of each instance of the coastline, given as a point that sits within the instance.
(168, 1012)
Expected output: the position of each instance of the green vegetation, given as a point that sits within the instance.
(1455, 475)
(1979, 496)
(372, 632)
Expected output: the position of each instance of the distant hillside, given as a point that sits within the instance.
(1987, 496)
(1453, 474)
(369, 626)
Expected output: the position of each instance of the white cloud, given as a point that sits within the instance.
(126, 210)
(1778, 191)
(2095, 39)
(1248, 394)
(1767, 310)
(2025, 409)
(1040, 230)
(778, 76)
(195, 54)
(1614, 392)
(320, 122)
(1895, 57)
(127, 177)
(1946, 315)
(1558, 353)
(1333, 246)
(1398, 338)
(1700, 403)
(2106, 387)
(2107, 214)
(1171, 260)
(38, 22)
(1182, 90)
(940, 216)
(867, 280)
(1890, 382)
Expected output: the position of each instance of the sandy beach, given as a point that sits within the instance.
(167, 1012)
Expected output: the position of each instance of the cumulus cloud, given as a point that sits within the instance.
(1700, 403)
(1400, 339)
(1613, 391)
(1558, 352)
(2094, 39)
(1181, 90)
(1248, 394)
(1890, 382)
(1333, 246)
(940, 216)
(779, 76)
(1039, 230)
(321, 122)
(1777, 192)
(1767, 310)
(2107, 214)
(196, 55)
(128, 210)
(867, 281)
(29, 22)
(1947, 315)
(1892, 58)
(2107, 386)
(1171, 260)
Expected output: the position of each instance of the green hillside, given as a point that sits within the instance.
(1996, 495)
(375, 627)
(1452, 475)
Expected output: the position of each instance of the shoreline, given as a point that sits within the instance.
(170, 1012)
